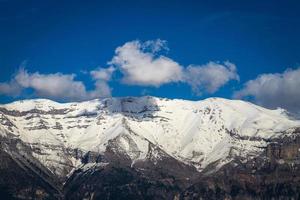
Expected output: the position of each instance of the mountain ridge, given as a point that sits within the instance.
(179, 138)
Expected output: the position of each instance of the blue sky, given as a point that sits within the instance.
(261, 38)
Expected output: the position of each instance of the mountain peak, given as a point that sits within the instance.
(198, 132)
(200, 135)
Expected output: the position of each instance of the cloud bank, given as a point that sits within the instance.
(140, 63)
(274, 90)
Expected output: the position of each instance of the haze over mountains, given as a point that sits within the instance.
(147, 148)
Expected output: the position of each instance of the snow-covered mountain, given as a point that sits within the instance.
(195, 132)
(204, 134)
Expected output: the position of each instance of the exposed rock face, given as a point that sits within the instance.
(275, 174)
(23, 176)
(147, 148)
(118, 180)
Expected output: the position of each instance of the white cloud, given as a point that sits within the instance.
(10, 89)
(155, 45)
(101, 76)
(210, 77)
(55, 86)
(140, 66)
(274, 90)
(103, 73)
(141, 63)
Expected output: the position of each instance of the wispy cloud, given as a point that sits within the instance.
(10, 89)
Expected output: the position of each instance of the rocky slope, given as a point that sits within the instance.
(147, 148)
